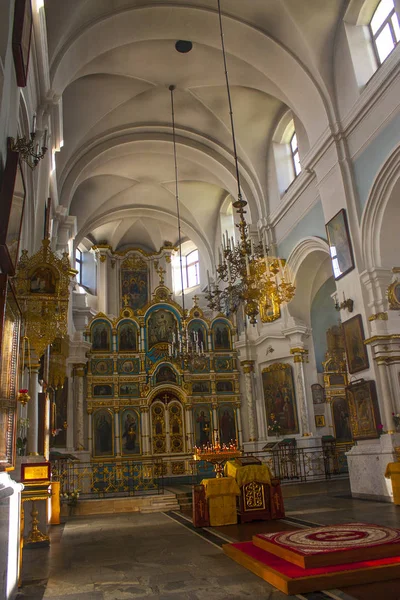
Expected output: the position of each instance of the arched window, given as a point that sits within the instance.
(294, 149)
(79, 265)
(190, 268)
(385, 30)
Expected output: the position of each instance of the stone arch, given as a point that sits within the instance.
(381, 214)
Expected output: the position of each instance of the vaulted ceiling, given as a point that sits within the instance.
(113, 62)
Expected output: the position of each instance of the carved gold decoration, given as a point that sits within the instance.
(59, 352)
(42, 285)
(381, 316)
(269, 309)
(253, 494)
(133, 262)
(248, 366)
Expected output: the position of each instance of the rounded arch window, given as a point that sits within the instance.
(186, 275)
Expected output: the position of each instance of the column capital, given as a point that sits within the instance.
(247, 365)
(300, 355)
(79, 369)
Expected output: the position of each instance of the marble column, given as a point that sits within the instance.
(79, 373)
(248, 370)
(117, 444)
(300, 356)
(33, 410)
(189, 427)
(239, 426)
(90, 431)
(386, 396)
(215, 430)
(70, 411)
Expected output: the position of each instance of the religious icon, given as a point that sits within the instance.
(161, 327)
(198, 332)
(341, 420)
(127, 337)
(356, 352)
(129, 389)
(340, 245)
(165, 374)
(101, 336)
(221, 336)
(364, 410)
(202, 420)
(319, 421)
(130, 432)
(227, 426)
(134, 285)
(43, 281)
(279, 396)
(103, 389)
(103, 433)
(224, 387)
(318, 393)
(201, 387)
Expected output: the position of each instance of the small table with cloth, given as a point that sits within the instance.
(260, 494)
(221, 495)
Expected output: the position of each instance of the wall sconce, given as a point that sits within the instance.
(29, 149)
(347, 303)
(269, 350)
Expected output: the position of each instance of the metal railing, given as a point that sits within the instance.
(289, 463)
(109, 479)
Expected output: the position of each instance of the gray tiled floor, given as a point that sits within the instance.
(137, 556)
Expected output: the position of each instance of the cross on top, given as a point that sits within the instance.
(161, 272)
(125, 300)
(166, 398)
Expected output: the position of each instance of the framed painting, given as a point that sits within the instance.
(130, 428)
(356, 351)
(270, 310)
(103, 389)
(224, 387)
(202, 425)
(21, 39)
(280, 398)
(201, 387)
(364, 410)
(341, 419)
(221, 336)
(318, 393)
(127, 337)
(12, 201)
(134, 283)
(100, 333)
(130, 390)
(165, 374)
(340, 245)
(103, 429)
(198, 333)
(10, 325)
(227, 424)
(161, 327)
(393, 294)
(319, 421)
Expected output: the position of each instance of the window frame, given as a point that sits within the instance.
(295, 153)
(374, 36)
(79, 262)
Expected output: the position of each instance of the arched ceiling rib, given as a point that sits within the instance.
(113, 63)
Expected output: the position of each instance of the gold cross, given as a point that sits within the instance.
(195, 300)
(166, 398)
(161, 273)
(125, 300)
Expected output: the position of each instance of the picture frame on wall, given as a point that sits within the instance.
(340, 248)
(12, 202)
(319, 421)
(356, 351)
(21, 40)
(10, 325)
(365, 417)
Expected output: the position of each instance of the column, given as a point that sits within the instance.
(189, 427)
(79, 373)
(145, 429)
(239, 426)
(102, 290)
(90, 434)
(300, 356)
(167, 432)
(33, 410)
(386, 396)
(70, 410)
(117, 444)
(248, 370)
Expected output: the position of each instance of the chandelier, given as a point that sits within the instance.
(251, 277)
(30, 149)
(185, 345)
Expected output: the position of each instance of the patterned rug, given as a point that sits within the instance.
(331, 545)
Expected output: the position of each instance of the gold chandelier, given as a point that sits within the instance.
(253, 278)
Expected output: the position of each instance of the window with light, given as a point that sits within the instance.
(190, 271)
(385, 30)
(79, 265)
(294, 150)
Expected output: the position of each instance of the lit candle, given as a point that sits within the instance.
(34, 124)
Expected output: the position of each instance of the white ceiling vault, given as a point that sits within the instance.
(112, 62)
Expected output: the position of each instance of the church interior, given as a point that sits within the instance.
(200, 299)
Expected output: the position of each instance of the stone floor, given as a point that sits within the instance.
(160, 555)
